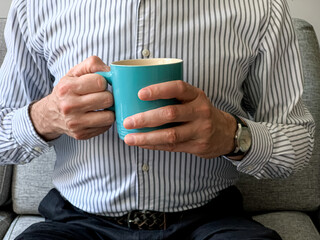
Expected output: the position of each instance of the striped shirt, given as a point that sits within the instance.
(243, 54)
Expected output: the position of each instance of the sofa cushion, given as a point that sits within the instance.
(5, 183)
(301, 190)
(2, 42)
(31, 182)
(5, 220)
(290, 225)
(19, 224)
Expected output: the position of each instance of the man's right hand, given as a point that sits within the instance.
(72, 106)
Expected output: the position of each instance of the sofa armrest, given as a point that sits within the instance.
(6, 218)
(290, 225)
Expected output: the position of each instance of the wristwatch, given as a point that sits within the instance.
(242, 139)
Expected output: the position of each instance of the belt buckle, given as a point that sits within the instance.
(146, 220)
(129, 220)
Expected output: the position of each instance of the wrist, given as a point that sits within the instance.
(230, 130)
(37, 113)
(242, 140)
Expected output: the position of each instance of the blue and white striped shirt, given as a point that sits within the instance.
(243, 54)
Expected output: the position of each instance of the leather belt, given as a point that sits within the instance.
(152, 220)
(144, 220)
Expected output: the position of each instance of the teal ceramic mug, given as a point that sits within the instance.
(127, 77)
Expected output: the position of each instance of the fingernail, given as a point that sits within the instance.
(128, 123)
(144, 93)
(129, 139)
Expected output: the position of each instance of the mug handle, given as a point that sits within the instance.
(108, 77)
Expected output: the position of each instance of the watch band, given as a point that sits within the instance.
(239, 120)
(237, 150)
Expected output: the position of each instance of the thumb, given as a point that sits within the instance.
(90, 65)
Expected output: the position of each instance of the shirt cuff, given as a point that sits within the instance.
(260, 152)
(25, 135)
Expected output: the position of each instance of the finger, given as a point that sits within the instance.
(90, 65)
(169, 136)
(90, 120)
(173, 89)
(89, 133)
(161, 116)
(93, 101)
(89, 83)
(99, 118)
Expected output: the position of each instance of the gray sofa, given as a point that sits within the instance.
(286, 205)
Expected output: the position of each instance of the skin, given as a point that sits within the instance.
(205, 130)
(71, 109)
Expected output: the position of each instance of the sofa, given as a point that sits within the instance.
(289, 206)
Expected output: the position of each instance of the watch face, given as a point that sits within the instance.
(245, 139)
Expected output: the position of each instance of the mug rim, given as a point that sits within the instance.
(150, 61)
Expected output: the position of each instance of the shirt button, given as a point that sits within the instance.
(249, 168)
(145, 52)
(38, 149)
(145, 167)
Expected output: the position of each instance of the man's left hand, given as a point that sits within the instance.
(203, 129)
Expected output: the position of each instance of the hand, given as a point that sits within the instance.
(203, 130)
(72, 106)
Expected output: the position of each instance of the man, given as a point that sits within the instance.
(242, 74)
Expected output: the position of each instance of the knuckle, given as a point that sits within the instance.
(181, 86)
(207, 126)
(172, 136)
(78, 136)
(205, 111)
(203, 146)
(170, 113)
(93, 60)
(101, 82)
(108, 101)
(94, 64)
(72, 125)
(63, 89)
(65, 108)
(110, 117)
(201, 93)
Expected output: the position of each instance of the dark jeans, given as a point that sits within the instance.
(223, 218)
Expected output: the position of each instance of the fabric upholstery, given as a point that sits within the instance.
(19, 224)
(5, 183)
(5, 171)
(301, 190)
(6, 218)
(2, 42)
(290, 225)
(31, 182)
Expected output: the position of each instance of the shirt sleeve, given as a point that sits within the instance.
(282, 128)
(24, 77)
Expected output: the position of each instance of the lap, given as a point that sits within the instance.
(54, 231)
(221, 219)
(229, 228)
(234, 227)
